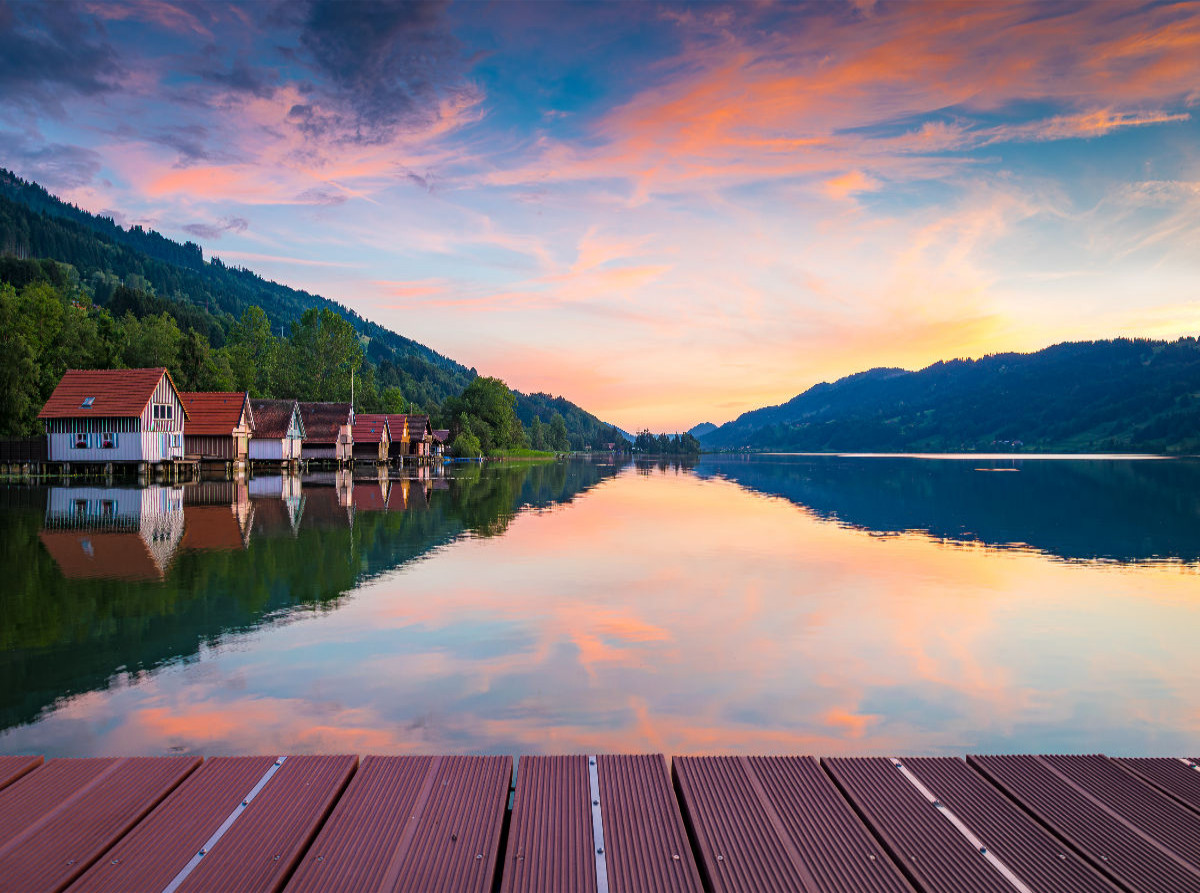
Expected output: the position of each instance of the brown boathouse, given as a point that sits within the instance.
(219, 425)
(328, 432)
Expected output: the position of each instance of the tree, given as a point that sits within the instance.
(466, 445)
(392, 400)
(149, 342)
(252, 352)
(18, 369)
(322, 350)
(487, 409)
(557, 438)
(537, 434)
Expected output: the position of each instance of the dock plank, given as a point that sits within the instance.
(1032, 852)
(1148, 808)
(262, 847)
(550, 833)
(412, 823)
(1169, 775)
(12, 768)
(1111, 842)
(644, 836)
(58, 819)
(153, 853)
(925, 844)
(779, 823)
(552, 845)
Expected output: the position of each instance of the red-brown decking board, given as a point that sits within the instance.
(921, 839)
(261, 848)
(12, 768)
(551, 843)
(1168, 774)
(644, 838)
(778, 823)
(412, 823)
(550, 835)
(1107, 838)
(59, 818)
(153, 853)
(1029, 850)
(1062, 824)
(1142, 804)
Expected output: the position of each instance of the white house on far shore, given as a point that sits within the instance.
(114, 415)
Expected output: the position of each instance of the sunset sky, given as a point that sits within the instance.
(667, 213)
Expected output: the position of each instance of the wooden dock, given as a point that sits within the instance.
(600, 824)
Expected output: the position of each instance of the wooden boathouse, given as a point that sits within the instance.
(278, 432)
(601, 823)
(371, 437)
(115, 416)
(328, 432)
(219, 426)
(412, 437)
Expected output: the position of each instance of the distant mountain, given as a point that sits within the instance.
(1104, 396)
(702, 429)
(209, 296)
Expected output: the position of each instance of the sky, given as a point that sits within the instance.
(668, 213)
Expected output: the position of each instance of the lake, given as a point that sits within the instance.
(768, 604)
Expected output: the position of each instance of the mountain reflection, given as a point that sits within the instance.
(106, 581)
(1120, 510)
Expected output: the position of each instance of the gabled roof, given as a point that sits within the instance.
(418, 426)
(215, 413)
(441, 435)
(82, 555)
(370, 428)
(323, 420)
(212, 527)
(272, 418)
(108, 393)
(368, 496)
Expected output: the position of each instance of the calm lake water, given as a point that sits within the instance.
(828, 605)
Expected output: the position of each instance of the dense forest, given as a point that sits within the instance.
(1096, 396)
(80, 291)
(665, 445)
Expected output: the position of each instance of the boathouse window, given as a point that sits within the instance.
(81, 441)
(108, 441)
(163, 411)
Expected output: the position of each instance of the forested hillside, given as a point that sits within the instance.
(124, 297)
(1119, 395)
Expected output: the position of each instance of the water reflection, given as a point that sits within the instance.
(1134, 510)
(121, 534)
(668, 609)
(111, 583)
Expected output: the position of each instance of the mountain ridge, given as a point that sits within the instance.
(1105, 396)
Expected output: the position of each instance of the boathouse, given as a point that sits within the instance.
(278, 431)
(411, 435)
(219, 425)
(441, 437)
(328, 432)
(115, 415)
(371, 440)
(420, 436)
